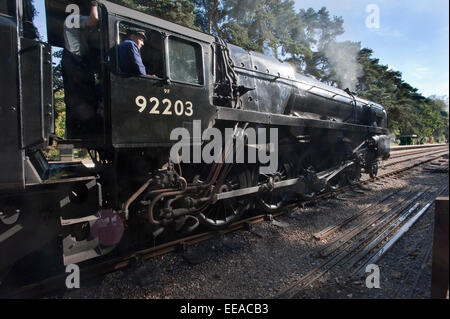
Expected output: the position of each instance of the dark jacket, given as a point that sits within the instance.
(130, 60)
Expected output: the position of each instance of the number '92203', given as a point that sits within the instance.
(179, 108)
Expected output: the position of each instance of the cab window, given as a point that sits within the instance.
(185, 61)
(152, 52)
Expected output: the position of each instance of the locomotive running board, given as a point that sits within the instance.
(227, 114)
(325, 176)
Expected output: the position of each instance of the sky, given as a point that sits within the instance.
(412, 36)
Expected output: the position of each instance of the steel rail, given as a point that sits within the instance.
(319, 271)
(332, 229)
(378, 239)
(413, 158)
(399, 234)
(413, 147)
(407, 153)
(378, 218)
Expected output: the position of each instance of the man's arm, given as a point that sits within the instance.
(138, 64)
(92, 20)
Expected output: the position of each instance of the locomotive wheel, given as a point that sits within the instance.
(226, 212)
(272, 201)
(353, 174)
(310, 161)
(373, 170)
(335, 182)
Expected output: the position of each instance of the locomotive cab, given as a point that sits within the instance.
(133, 110)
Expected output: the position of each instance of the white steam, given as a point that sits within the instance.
(343, 59)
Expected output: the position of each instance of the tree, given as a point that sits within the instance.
(29, 13)
(441, 101)
(314, 33)
(254, 21)
(408, 111)
(440, 107)
(178, 11)
(207, 13)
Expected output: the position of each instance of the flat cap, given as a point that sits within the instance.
(137, 32)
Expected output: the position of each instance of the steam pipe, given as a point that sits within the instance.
(134, 196)
(157, 198)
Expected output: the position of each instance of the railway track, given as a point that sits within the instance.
(397, 153)
(352, 250)
(389, 163)
(415, 147)
(57, 283)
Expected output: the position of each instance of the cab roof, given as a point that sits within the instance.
(56, 15)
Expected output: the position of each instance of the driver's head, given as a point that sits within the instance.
(138, 36)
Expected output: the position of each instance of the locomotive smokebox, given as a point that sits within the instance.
(382, 145)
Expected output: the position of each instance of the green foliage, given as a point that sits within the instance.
(178, 11)
(409, 112)
(52, 152)
(58, 83)
(60, 110)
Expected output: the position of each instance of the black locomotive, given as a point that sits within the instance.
(135, 193)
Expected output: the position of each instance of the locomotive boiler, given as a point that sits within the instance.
(137, 192)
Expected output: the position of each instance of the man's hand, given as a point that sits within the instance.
(92, 20)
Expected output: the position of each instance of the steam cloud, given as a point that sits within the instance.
(343, 58)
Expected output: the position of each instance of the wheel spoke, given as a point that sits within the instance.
(227, 211)
(273, 200)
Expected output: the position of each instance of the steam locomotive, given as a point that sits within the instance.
(137, 191)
